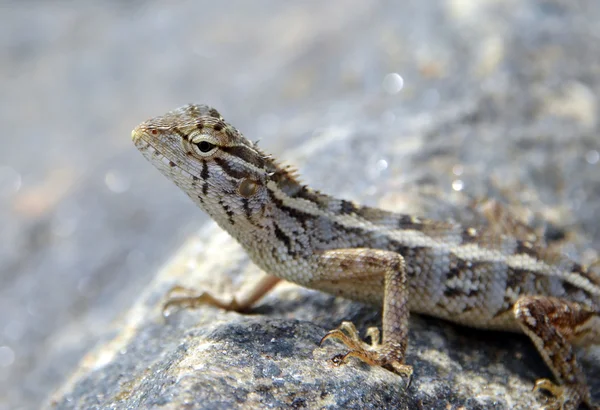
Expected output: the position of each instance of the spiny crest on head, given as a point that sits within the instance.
(292, 172)
(287, 179)
(188, 118)
(195, 110)
(277, 171)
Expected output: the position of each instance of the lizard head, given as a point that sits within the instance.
(213, 163)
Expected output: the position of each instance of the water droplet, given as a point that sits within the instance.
(458, 170)
(10, 181)
(64, 227)
(381, 165)
(388, 117)
(192, 264)
(432, 97)
(66, 220)
(7, 356)
(592, 157)
(14, 330)
(393, 83)
(371, 191)
(458, 185)
(31, 308)
(116, 182)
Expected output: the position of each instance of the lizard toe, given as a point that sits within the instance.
(375, 354)
(564, 397)
(203, 298)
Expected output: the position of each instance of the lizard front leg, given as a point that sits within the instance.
(376, 274)
(555, 325)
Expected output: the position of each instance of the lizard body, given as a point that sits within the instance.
(476, 277)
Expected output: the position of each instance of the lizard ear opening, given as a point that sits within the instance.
(247, 187)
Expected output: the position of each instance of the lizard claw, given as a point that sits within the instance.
(373, 354)
(338, 359)
(564, 397)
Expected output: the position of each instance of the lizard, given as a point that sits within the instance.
(485, 278)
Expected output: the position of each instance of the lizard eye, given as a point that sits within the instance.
(204, 147)
(247, 187)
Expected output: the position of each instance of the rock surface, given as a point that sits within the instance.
(416, 106)
(208, 358)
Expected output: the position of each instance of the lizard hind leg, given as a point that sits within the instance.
(359, 264)
(554, 325)
(240, 302)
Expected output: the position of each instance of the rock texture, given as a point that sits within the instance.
(418, 106)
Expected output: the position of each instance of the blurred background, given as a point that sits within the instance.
(85, 220)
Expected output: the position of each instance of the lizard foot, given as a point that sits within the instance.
(375, 354)
(193, 299)
(565, 397)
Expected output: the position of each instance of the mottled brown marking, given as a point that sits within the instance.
(459, 266)
(204, 173)
(312, 196)
(229, 170)
(247, 210)
(453, 292)
(347, 207)
(301, 217)
(287, 242)
(469, 235)
(526, 248)
(228, 212)
(182, 134)
(408, 222)
(507, 306)
(583, 272)
(246, 154)
(214, 113)
(516, 278)
(348, 230)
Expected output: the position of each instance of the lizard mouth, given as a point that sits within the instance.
(136, 135)
(143, 142)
